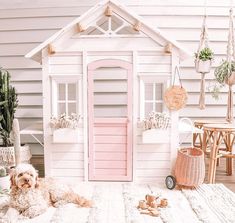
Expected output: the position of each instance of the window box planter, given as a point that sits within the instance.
(5, 183)
(156, 136)
(203, 66)
(66, 135)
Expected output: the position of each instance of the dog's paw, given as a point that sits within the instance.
(87, 203)
(33, 211)
(84, 202)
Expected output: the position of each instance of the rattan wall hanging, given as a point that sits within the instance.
(175, 97)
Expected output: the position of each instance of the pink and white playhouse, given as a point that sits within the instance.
(111, 68)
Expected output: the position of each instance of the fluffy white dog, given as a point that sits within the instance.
(32, 196)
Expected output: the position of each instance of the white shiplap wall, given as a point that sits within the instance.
(24, 24)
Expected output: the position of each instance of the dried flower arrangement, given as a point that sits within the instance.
(156, 120)
(65, 121)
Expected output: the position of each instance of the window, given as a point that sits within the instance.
(65, 96)
(151, 98)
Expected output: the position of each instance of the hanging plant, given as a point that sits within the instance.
(225, 71)
(205, 54)
(203, 60)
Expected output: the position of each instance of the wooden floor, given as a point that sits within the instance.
(221, 177)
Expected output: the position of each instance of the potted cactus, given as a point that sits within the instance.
(7, 111)
(203, 60)
(4, 179)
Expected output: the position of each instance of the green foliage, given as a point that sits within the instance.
(205, 54)
(3, 171)
(8, 105)
(215, 90)
(224, 71)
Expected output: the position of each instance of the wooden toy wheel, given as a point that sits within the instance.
(170, 182)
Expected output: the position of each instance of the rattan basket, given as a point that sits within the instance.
(190, 167)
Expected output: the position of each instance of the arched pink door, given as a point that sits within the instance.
(110, 120)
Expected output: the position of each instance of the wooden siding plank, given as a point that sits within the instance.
(112, 172)
(28, 87)
(153, 156)
(106, 164)
(110, 139)
(101, 147)
(110, 99)
(18, 63)
(30, 100)
(28, 113)
(65, 60)
(67, 172)
(34, 23)
(106, 131)
(67, 156)
(68, 68)
(100, 156)
(16, 49)
(143, 10)
(65, 164)
(153, 164)
(25, 75)
(29, 36)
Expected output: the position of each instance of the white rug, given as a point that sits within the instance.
(116, 203)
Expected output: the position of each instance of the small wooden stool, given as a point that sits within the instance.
(214, 135)
(199, 124)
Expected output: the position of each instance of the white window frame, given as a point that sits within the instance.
(151, 80)
(55, 80)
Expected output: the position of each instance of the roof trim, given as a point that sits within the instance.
(35, 53)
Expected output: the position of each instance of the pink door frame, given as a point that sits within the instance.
(91, 68)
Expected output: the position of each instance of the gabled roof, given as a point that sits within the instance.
(152, 32)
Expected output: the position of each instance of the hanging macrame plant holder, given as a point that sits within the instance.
(201, 66)
(230, 81)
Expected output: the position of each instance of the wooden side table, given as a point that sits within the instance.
(215, 135)
(199, 124)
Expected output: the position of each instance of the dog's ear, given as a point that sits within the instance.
(12, 177)
(37, 181)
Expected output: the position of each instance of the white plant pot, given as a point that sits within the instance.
(7, 155)
(231, 79)
(156, 136)
(203, 66)
(66, 135)
(5, 183)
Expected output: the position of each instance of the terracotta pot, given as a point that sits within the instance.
(5, 183)
(231, 79)
(203, 66)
